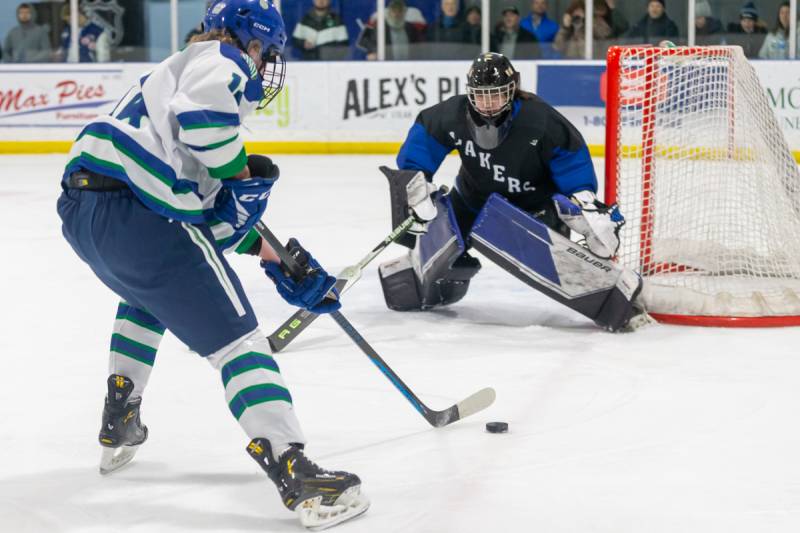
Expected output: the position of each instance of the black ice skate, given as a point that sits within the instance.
(321, 498)
(122, 431)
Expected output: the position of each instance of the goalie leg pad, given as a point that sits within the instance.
(398, 198)
(554, 265)
(455, 284)
(400, 285)
(403, 291)
(436, 272)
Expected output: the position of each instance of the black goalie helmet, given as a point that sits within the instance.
(491, 85)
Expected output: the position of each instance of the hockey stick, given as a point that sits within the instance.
(302, 318)
(468, 406)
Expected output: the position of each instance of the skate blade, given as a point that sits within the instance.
(113, 459)
(317, 517)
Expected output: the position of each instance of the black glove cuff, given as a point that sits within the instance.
(262, 166)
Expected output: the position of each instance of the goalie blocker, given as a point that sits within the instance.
(437, 270)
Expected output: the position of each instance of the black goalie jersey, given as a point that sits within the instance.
(542, 154)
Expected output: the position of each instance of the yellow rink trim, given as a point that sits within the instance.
(697, 153)
(35, 147)
(256, 147)
(391, 148)
(694, 153)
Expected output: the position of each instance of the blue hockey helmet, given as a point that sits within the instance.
(259, 20)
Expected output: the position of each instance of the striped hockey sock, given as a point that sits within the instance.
(134, 343)
(255, 391)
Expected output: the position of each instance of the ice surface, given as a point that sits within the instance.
(668, 429)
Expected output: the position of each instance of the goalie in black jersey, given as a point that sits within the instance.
(526, 180)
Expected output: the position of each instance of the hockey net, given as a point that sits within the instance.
(709, 188)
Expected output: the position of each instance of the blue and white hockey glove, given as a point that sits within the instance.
(597, 222)
(241, 203)
(310, 291)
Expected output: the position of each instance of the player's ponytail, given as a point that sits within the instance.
(214, 35)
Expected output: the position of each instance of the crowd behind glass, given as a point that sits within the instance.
(119, 30)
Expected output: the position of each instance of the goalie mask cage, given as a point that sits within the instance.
(708, 186)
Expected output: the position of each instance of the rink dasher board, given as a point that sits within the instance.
(326, 107)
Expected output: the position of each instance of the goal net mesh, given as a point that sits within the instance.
(706, 181)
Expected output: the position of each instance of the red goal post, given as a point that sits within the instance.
(709, 188)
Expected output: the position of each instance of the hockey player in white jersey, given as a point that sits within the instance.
(152, 195)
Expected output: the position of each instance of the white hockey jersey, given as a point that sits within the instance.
(175, 134)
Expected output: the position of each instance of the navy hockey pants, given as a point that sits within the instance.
(169, 268)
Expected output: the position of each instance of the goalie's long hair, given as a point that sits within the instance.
(523, 95)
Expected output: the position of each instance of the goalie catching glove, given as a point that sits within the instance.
(308, 291)
(597, 222)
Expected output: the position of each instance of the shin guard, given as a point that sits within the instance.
(255, 391)
(134, 343)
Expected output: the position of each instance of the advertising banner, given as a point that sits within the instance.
(338, 102)
(781, 82)
(576, 89)
(368, 102)
(54, 102)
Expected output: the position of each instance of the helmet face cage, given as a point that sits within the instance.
(273, 75)
(255, 20)
(487, 96)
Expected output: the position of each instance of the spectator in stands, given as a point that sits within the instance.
(320, 28)
(749, 33)
(776, 44)
(28, 42)
(570, 40)
(413, 16)
(510, 40)
(400, 34)
(94, 45)
(707, 29)
(607, 10)
(538, 23)
(655, 26)
(450, 27)
(472, 26)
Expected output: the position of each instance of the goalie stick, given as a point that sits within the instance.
(302, 318)
(470, 405)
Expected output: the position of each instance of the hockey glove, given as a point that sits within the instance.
(308, 292)
(598, 223)
(241, 203)
(420, 204)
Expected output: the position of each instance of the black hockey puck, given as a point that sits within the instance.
(497, 427)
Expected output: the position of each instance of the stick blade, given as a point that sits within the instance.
(468, 406)
(477, 402)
